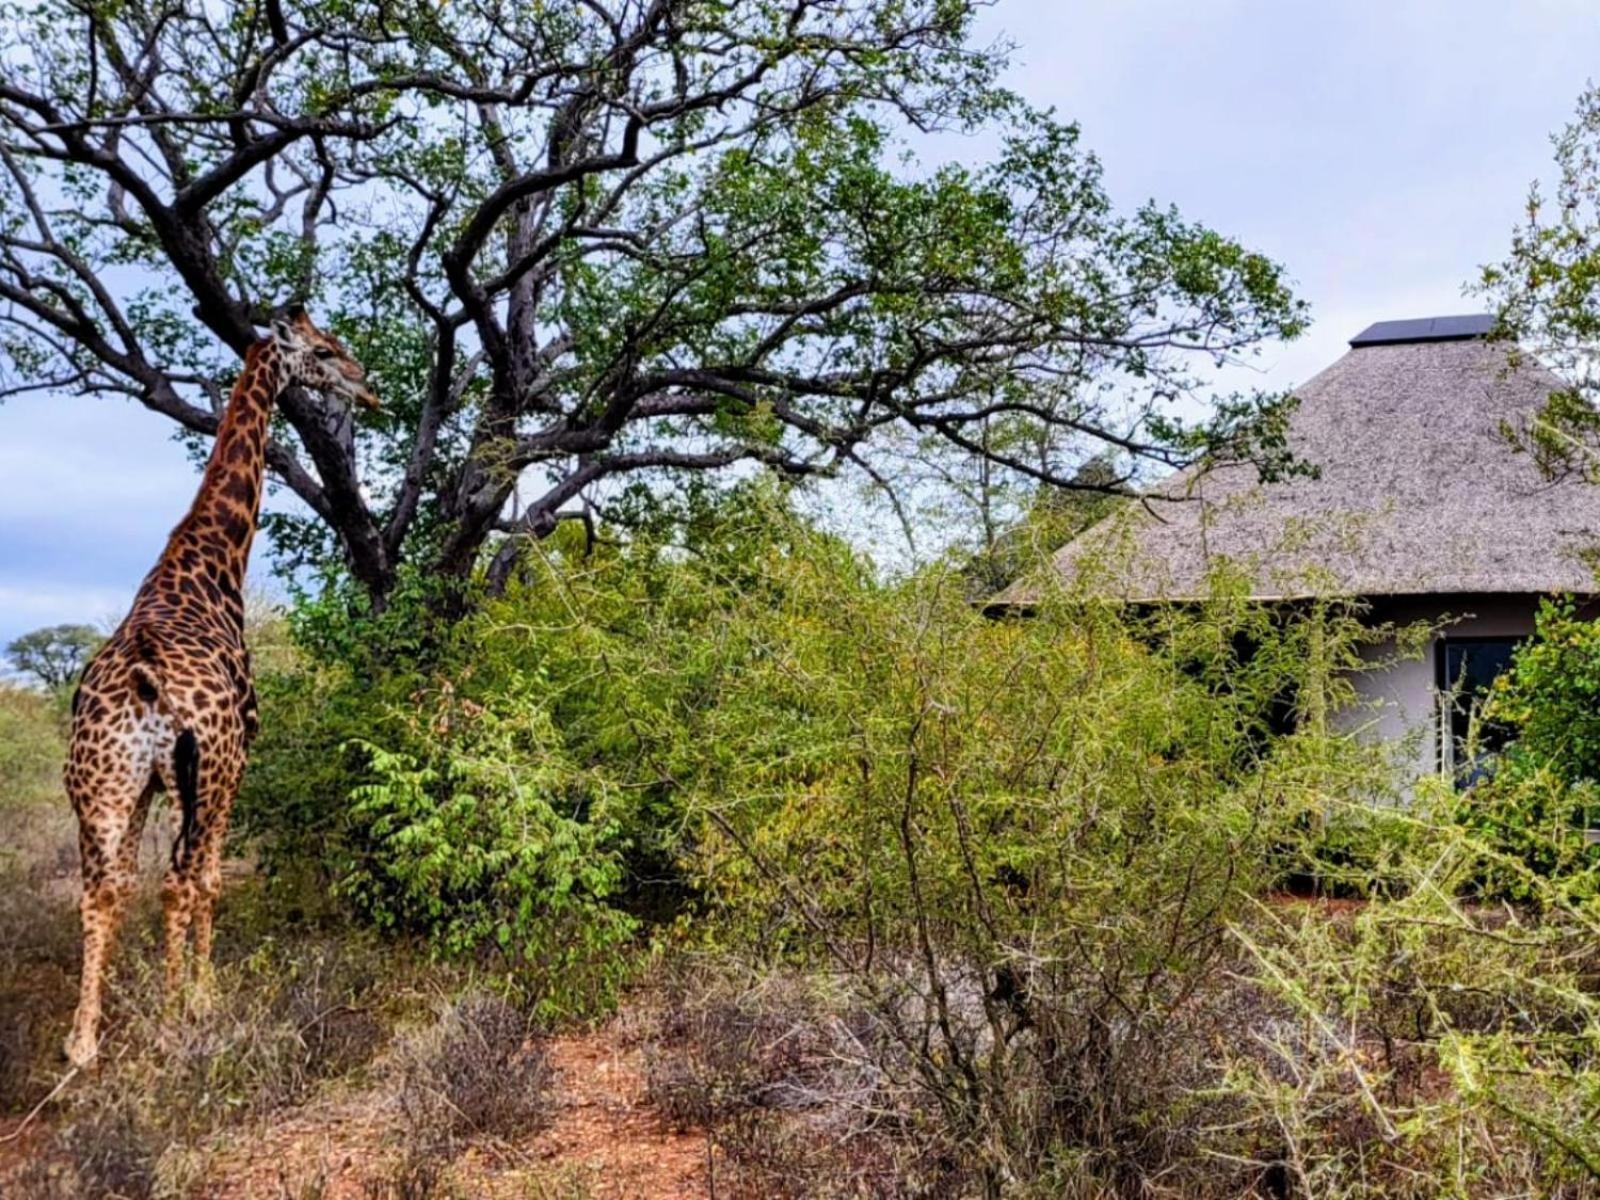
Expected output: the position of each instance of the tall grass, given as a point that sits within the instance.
(32, 738)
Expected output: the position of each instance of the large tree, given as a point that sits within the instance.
(56, 654)
(1547, 295)
(588, 247)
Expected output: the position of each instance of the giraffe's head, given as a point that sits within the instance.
(318, 360)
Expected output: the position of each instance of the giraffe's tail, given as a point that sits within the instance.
(186, 772)
(148, 683)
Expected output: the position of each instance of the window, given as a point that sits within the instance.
(1466, 667)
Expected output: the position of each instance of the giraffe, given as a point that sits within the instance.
(167, 703)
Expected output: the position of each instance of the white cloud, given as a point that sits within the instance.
(1381, 150)
(28, 606)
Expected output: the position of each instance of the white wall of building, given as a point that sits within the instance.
(1398, 702)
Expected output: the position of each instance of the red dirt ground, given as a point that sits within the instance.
(606, 1129)
(603, 1142)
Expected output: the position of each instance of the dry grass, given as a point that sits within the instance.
(281, 1023)
(807, 1090)
(418, 1175)
(799, 1092)
(479, 1070)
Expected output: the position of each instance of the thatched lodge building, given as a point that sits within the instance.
(1424, 509)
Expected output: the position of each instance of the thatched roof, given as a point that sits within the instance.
(1420, 492)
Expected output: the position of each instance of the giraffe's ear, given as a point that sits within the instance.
(288, 319)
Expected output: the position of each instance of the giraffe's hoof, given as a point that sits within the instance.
(202, 997)
(79, 1051)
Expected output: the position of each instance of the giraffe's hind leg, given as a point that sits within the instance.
(195, 880)
(177, 913)
(208, 887)
(209, 882)
(109, 824)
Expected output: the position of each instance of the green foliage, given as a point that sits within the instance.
(428, 815)
(1050, 519)
(330, 674)
(294, 801)
(1354, 851)
(1549, 284)
(31, 748)
(962, 819)
(1531, 822)
(1545, 789)
(489, 839)
(1551, 696)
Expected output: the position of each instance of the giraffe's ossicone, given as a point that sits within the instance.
(167, 704)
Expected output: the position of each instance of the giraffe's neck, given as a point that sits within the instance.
(217, 531)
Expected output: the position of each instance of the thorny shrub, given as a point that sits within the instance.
(479, 1069)
(1436, 1044)
(782, 1072)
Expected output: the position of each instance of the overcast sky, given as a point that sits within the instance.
(1381, 150)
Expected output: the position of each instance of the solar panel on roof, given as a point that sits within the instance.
(1426, 329)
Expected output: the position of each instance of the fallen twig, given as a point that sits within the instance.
(72, 1073)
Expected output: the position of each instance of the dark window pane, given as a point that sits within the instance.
(1472, 666)
(1468, 670)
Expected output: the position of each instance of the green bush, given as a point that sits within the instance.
(32, 742)
(483, 836)
(1352, 851)
(1016, 843)
(328, 677)
(1530, 814)
(1030, 864)
(1551, 695)
(426, 813)
(1530, 824)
